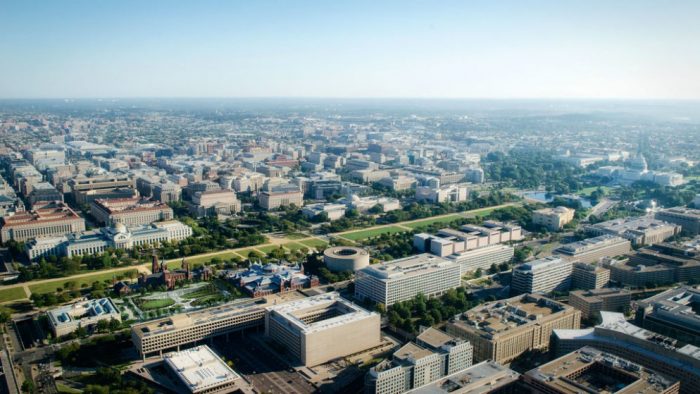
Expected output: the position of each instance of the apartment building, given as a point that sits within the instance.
(322, 328)
(591, 250)
(434, 355)
(581, 371)
(639, 231)
(589, 276)
(592, 302)
(687, 218)
(129, 211)
(553, 219)
(649, 349)
(503, 330)
(542, 276)
(402, 279)
(51, 220)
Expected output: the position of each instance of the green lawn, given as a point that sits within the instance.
(296, 236)
(314, 243)
(203, 259)
(294, 246)
(12, 294)
(429, 221)
(480, 213)
(588, 190)
(373, 232)
(269, 248)
(49, 287)
(156, 304)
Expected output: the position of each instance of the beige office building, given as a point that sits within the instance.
(503, 330)
(589, 276)
(553, 219)
(52, 220)
(131, 212)
(592, 302)
(322, 328)
(276, 196)
(593, 249)
(687, 218)
(86, 189)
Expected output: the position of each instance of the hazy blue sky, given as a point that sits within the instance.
(495, 49)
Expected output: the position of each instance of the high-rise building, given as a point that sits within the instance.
(592, 302)
(593, 249)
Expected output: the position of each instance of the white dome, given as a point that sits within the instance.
(120, 228)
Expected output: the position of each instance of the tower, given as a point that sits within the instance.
(155, 267)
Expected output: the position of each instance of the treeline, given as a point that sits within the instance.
(422, 311)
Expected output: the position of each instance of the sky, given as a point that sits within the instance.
(396, 49)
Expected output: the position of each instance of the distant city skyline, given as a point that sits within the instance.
(358, 49)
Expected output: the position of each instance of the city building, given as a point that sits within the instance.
(402, 279)
(687, 218)
(503, 330)
(162, 276)
(639, 231)
(345, 258)
(592, 302)
(486, 377)
(448, 241)
(591, 250)
(68, 318)
(97, 241)
(542, 276)
(214, 202)
(434, 355)
(52, 220)
(674, 313)
(262, 280)
(442, 194)
(589, 276)
(167, 192)
(332, 211)
(322, 328)
(85, 189)
(553, 219)
(649, 349)
(482, 258)
(200, 371)
(654, 265)
(398, 183)
(364, 204)
(181, 329)
(131, 212)
(43, 193)
(589, 370)
(276, 196)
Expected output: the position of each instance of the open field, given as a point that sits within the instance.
(480, 213)
(196, 261)
(12, 294)
(314, 243)
(156, 304)
(51, 286)
(371, 232)
(429, 221)
(296, 236)
(269, 248)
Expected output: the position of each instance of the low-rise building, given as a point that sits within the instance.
(449, 241)
(658, 264)
(542, 276)
(260, 281)
(402, 279)
(687, 218)
(592, 302)
(486, 377)
(553, 219)
(52, 220)
(594, 371)
(276, 196)
(199, 370)
(639, 231)
(332, 211)
(322, 328)
(442, 194)
(649, 349)
(131, 212)
(503, 330)
(673, 313)
(68, 318)
(591, 250)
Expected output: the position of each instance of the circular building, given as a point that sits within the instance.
(345, 258)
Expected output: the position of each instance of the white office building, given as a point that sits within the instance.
(542, 276)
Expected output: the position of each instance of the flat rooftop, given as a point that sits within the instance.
(482, 378)
(500, 316)
(598, 371)
(199, 368)
(319, 312)
(419, 264)
(590, 244)
(635, 224)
